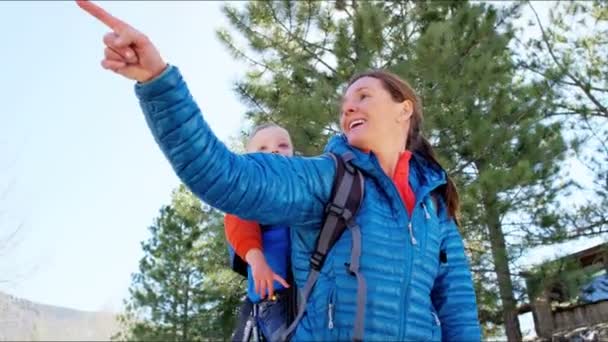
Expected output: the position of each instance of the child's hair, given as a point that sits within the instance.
(260, 127)
(255, 130)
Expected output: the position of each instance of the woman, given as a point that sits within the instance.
(412, 257)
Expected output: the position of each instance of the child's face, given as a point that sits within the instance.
(271, 140)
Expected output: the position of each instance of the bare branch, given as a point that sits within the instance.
(564, 69)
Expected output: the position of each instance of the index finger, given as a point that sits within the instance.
(280, 280)
(101, 14)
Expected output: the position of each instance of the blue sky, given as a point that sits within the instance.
(79, 170)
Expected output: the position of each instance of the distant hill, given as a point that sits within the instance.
(23, 320)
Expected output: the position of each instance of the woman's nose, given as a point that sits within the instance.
(348, 108)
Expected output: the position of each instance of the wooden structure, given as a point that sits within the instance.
(549, 318)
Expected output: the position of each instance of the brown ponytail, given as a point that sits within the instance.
(400, 91)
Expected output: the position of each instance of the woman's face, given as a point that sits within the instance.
(370, 118)
(271, 140)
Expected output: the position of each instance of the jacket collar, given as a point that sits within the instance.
(424, 175)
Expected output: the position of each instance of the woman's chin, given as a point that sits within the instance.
(358, 142)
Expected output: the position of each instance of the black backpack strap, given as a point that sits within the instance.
(347, 193)
(355, 198)
(237, 264)
(291, 296)
(340, 212)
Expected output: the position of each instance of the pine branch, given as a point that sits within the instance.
(578, 110)
(302, 43)
(350, 16)
(580, 158)
(596, 228)
(407, 38)
(596, 135)
(507, 15)
(589, 233)
(290, 19)
(243, 55)
(573, 110)
(564, 69)
(252, 99)
(554, 114)
(10, 238)
(323, 45)
(308, 19)
(483, 270)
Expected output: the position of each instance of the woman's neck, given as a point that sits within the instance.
(388, 158)
(389, 150)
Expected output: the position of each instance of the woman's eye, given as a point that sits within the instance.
(283, 146)
(363, 96)
(262, 148)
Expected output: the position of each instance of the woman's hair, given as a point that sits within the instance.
(400, 91)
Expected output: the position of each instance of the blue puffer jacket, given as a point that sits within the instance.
(411, 295)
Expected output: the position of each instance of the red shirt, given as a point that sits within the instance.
(242, 235)
(401, 179)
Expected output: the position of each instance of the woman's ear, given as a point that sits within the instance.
(406, 111)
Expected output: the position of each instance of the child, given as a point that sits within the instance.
(266, 251)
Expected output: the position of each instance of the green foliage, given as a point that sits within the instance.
(184, 289)
(561, 279)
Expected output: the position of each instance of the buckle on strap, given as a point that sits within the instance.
(316, 260)
(332, 208)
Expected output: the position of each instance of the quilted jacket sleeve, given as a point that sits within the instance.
(267, 188)
(453, 294)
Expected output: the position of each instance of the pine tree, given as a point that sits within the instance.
(571, 56)
(184, 289)
(484, 118)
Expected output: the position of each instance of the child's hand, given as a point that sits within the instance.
(263, 276)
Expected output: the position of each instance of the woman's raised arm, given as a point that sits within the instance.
(263, 187)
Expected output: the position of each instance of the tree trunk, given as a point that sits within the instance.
(503, 273)
(543, 316)
(186, 317)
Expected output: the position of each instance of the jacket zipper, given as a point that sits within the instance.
(330, 310)
(409, 250)
(330, 315)
(405, 293)
(426, 212)
(410, 261)
(437, 321)
(412, 237)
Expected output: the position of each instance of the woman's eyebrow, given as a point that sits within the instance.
(356, 91)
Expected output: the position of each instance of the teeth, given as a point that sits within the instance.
(356, 122)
